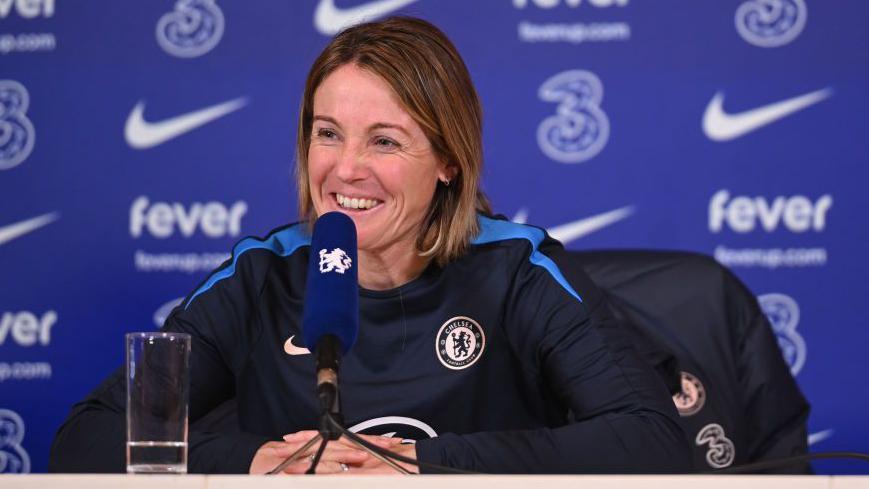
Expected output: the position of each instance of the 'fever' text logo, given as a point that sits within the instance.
(742, 213)
(161, 219)
(26, 329)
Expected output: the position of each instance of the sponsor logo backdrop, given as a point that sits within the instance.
(139, 141)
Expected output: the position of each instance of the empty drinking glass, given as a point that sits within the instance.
(157, 399)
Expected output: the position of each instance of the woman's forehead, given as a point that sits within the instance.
(352, 95)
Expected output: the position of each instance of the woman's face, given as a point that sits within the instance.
(370, 160)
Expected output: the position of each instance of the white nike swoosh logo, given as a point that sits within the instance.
(581, 227)
(292, 349)
(141, 134)
(330, 20)
(819, 436)
(12, 231)
(721, 126)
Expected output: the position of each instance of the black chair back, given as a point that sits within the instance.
(736, 397)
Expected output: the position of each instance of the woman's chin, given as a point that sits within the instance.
(367, 227)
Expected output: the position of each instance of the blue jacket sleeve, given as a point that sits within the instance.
(622, 419)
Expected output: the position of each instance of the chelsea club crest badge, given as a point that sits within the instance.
(460, 343)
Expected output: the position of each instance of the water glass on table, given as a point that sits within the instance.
(158, 389)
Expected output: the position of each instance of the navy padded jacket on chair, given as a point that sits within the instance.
(703, 331)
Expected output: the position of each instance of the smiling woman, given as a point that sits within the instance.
(471, 340)
(418, 93)
(370, 159)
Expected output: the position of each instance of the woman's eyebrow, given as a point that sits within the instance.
(386, 125)
(326, 118)
(372, 127)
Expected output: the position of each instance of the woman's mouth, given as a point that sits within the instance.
(356, 203)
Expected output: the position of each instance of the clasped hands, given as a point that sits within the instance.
(341, 456)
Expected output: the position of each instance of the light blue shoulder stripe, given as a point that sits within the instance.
(492, 230)
(282, 243)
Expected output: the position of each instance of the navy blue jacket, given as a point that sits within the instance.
(494, 363)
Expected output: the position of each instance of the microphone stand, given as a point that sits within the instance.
(327, 419)
(331, 420)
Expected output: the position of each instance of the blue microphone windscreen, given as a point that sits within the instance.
(332, 291)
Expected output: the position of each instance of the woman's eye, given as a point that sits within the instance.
(385, 143)
(326, 133)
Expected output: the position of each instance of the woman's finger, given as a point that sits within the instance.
(301, 436)
(333, 452)
(324, 467)
(376, 469)
(380, 441)
(333, 468)
(346, 455)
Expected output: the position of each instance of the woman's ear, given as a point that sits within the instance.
(447, 173)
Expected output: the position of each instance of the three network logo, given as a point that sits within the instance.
(770, 23)
(784, 316)
(13, 458)
(192, 29)
(579, 129)
(17, 135)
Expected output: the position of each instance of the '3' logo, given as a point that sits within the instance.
(770, 23)
(579, 129)
(192, 29)
(16, 131)
(13, 458)
(721, 451)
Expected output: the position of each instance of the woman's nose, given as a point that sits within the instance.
(352, 164)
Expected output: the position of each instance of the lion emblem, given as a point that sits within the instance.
(335, 260)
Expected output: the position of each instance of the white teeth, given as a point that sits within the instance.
(355, 203)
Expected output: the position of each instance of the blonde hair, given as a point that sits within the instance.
(427, 73)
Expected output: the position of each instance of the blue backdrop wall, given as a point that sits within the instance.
(140, 140)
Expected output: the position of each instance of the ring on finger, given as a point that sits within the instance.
(344, 467)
